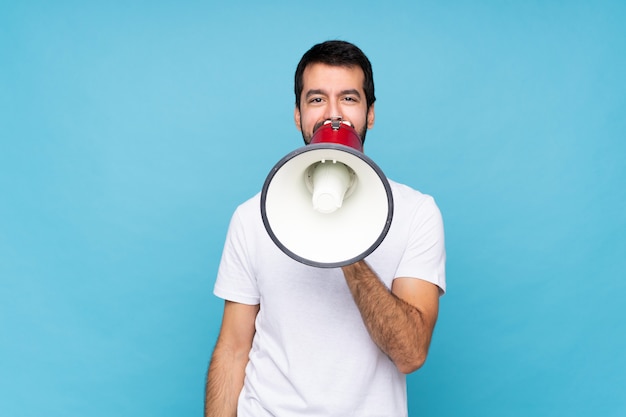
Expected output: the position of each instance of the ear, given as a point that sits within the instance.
(370, 116)
(296, 118)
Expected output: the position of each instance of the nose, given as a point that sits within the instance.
(332, 110)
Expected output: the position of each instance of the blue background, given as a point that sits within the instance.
(129, 132)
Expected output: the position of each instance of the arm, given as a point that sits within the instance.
(229, 360)
(400, 321)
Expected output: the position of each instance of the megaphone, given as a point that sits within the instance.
(326, 204)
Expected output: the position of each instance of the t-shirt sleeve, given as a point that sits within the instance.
(425, 254)
(235, 277)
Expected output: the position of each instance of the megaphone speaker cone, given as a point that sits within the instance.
(329, 182)
(343, 224)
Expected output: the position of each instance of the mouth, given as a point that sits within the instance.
(336, 119)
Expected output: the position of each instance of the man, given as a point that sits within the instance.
(303, 341)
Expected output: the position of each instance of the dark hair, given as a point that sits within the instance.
(336, 53)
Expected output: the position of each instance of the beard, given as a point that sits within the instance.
(308, 136)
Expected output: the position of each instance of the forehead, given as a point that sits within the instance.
(330, 77)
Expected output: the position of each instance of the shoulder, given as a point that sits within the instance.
(246, 218)
(410, 199)
(249, 210)
(251, 204)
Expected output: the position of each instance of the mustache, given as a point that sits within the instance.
(318, 125)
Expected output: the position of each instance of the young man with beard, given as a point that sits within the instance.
(297, 340)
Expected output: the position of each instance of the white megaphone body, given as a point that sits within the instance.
(326, 204)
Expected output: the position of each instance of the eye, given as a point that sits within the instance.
(315, 100)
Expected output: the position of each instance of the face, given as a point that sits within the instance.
(332, 91)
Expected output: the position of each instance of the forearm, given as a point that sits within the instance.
(224, 381)
(397, 327)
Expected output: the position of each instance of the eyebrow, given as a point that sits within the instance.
(322, 92)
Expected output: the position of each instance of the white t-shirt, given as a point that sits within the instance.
(311, 354)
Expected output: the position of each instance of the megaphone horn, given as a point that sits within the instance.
(326, 204)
